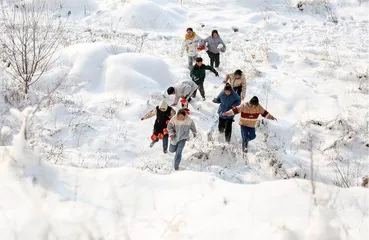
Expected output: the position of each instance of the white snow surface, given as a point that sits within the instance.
(86, 170)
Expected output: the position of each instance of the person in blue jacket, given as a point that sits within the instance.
(228, 99)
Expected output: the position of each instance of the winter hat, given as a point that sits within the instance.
(254, 101)
(228, 87)
(214, 31)
(170, 90)
(163, 106)
(238, 72)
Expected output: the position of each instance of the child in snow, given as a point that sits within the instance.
(238, 82)
(163, 114)
(182, 90)
(198, 75)
(249, 114)
(215, 45)
(227, 99)
(190, 45)
(179, 130)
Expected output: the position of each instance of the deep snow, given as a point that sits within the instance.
(119, 58)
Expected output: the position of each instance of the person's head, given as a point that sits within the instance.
(254, 101)
(181, 114)
(163, 106)
(228, 89)
(238, 74)
(189, 31)
(214, 34)
(170, 90)
(199, 61)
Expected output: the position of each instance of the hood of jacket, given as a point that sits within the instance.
(163, 106)
(190, 38)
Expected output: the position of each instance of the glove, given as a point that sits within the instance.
(142, 119)
(216, 74)
(214, 100)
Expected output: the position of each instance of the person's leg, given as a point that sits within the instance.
(178, 157)
(217, 59)
(194, 93)
(221, 125)
(155, 132)
(244, 134)
(228, 129)
(238, 90)
(165, 143)
(202, 90)
(252, 134)
(190, 62)
(211, 56)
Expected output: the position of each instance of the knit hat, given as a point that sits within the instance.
(163, 106)
(254, 101)
(170, 90)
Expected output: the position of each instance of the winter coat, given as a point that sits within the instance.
(249, 115)
(190, 44)
(198, 74)
(227, 102)
(181, 129)
(237, 83)
(213, 43)
(163, 113)
(184, 89)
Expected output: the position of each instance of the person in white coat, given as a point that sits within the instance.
(183, 89)
(190, 44)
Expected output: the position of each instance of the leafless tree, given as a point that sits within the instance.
(31, 37)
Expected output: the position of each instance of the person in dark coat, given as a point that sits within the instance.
(163, 114)
(198, 74)
(228, 98)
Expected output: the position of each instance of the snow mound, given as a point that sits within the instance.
(133, 73)
(146, 15)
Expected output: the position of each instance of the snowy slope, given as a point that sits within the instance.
(88, 157)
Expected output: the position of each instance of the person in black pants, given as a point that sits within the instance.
(215, 46)
(228, 99)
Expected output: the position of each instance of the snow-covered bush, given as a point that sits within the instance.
(321, 7)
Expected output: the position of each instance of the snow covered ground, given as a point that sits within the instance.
(87, 165)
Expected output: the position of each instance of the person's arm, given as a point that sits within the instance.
(149, 114)
(176, 99)
(224, 46)
(217, 99)
(233, 111)
(171, 129)
(244, 86)
(264, 113)
(172, 113)
(227, 78)
(212, 69)
(237, 102)
(193, 128)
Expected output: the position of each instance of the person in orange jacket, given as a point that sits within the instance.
(163, 114)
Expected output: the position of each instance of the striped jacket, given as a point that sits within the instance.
(249, 114)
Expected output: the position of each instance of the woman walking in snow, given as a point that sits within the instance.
(163, 114)
(190, 45)
(215, 45)
(179, 130)
(238, 82)
(249, 115)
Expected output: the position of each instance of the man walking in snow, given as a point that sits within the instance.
(190, 45)
(198, 74)
(227, 99)
(179, 130)
(163, 114)
(182, 89)
(249, 115)
(215, 46)
(238, 82)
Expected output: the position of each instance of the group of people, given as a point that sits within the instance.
(178, 125)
